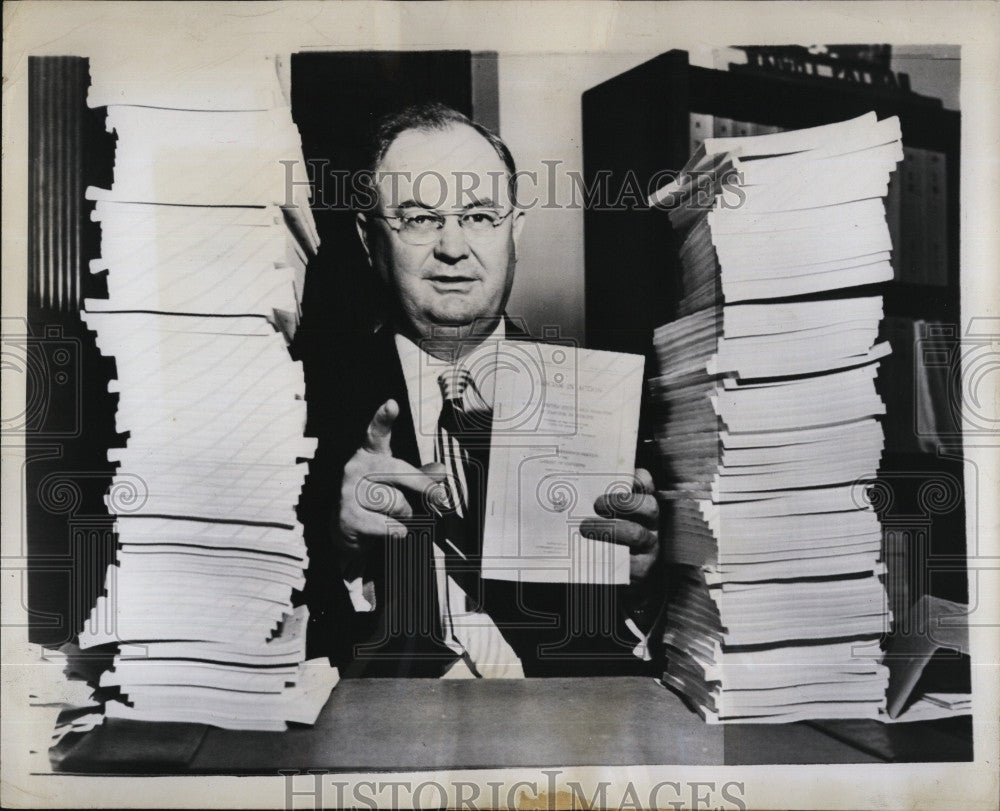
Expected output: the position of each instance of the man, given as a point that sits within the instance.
(393, 505)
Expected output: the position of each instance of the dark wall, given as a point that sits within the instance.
(337, 99)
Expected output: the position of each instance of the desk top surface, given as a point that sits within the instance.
(432, 724)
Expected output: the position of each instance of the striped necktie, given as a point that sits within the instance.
(463, 446)
(464, 425)
(463, 435)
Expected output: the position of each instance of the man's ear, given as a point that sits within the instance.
(361, 223)
(516, 228)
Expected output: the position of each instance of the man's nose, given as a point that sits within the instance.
(452, 244)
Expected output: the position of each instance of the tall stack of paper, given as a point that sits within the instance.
(769, 426)
(200, 259)
(205, 241)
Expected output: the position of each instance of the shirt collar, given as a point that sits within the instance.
(421, 371)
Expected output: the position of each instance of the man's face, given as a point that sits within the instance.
(459, 276)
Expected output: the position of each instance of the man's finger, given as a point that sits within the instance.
(379, 433)
(436, 470)
(619, 531)
(639, 565)
(401, 475)
(639, 507)
(363, 526)
(413, 481)
(643, 482)
(376, 525)
(436, 497)
(382, 499)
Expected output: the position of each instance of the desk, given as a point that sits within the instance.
(432, 724)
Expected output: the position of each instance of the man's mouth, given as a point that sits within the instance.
(452, 280)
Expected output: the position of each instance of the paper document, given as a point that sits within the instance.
(564, 432)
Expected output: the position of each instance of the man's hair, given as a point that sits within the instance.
(429, 117)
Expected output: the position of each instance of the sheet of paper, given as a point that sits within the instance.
(564, 432)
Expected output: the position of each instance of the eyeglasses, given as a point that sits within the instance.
(421, 226)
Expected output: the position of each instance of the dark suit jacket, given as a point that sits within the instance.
(554, 629)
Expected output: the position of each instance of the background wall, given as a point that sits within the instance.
(933, 70)
(540, 120)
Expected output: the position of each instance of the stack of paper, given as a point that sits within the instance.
(229, 82)
(769, 424)
(957, 702)
(787, 214)
(206, 255)
(211, 158)
(200, 259)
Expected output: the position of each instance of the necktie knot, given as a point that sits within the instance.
(453, 384)
(460, 390)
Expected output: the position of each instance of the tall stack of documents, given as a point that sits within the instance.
(205, 236)
(769, 424)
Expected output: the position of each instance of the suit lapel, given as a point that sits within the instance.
(408, 639)
(385, 377)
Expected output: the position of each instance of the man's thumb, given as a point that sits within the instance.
(379, 433)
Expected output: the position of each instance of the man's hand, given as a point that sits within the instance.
(378, 489)
(634, 521)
